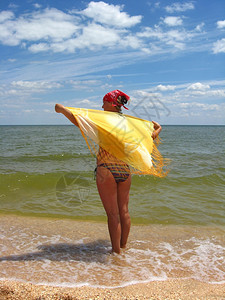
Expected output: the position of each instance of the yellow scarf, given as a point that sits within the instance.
(126, 138)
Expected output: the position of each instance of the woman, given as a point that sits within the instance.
(113, 177)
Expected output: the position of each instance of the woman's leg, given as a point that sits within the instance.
(107, 188)
(123, 189)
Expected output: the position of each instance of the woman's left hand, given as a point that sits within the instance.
(157, 129)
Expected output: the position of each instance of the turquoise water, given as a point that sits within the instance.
(47, 187)
(48, 171)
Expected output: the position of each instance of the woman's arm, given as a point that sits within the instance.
(157, 129)
(59, 108)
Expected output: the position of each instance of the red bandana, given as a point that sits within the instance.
(113, 97)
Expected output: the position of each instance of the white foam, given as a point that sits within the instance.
(61, 261)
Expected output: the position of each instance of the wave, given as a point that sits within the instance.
(46, 157)
(73, 194)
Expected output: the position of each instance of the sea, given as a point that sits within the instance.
(53, 228)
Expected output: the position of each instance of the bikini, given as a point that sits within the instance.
(119, 172)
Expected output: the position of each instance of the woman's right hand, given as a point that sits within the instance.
(59, 108)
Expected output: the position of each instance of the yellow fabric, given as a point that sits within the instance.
(126, 138)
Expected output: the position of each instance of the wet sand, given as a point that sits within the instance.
(170, 289)
(40, 258)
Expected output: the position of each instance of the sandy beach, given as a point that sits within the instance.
(171, 289)
(66, 259)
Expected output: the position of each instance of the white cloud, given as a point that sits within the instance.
(53, 30)
(37, 5)
(203, 103)
(26, 88)
(153, 6)
(12, 60)
(220, 93)
(23, 96)
(85, 84)
(93, 37)
(199, 27)
(28, 110)
(41, 47)
(100, 26)
(6, 15)
(199, 106)
(199, 86)
(50, 24)
(175, 38)
(188, 91)
(85, 101)
(164, 88)
(173, 21)
(111, 15)
(35, 85)
(219, 46)
(221, 24)
(179, 7)
(95, 34)
(168, 103)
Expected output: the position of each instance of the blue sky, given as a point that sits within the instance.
(169, 56)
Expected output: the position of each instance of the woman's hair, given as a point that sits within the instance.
(121, 100)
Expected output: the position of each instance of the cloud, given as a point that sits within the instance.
(219, 46)
(49, 24)
(176, 93)
(93, 37)
(164, 88)
(6, 15)
(197, 105)
(41, 47)
(201, 90)
(221, 24)
(153, 6)
(173, 21)
(199, 86)
(176, 38)
(37, 5)
(168, 103)
(111, 15)
(35, 85)
(85, 84)
(204, 100)
(100, 26)
(85, 102)
(179, 7)
(12, 60)
(199, 27)
(53, 30)
(28, 111)
(26, 88)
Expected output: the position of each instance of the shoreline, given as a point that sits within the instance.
(63, 252)
(42, 252)
(169, 289)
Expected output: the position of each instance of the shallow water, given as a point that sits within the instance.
(73, 253)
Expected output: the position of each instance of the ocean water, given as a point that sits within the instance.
(47, 178)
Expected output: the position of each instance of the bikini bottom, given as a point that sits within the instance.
(119, 172)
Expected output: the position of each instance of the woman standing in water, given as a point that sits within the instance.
(113, 176)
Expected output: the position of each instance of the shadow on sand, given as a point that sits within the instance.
(96, 251)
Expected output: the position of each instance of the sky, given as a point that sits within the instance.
(168, 56)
